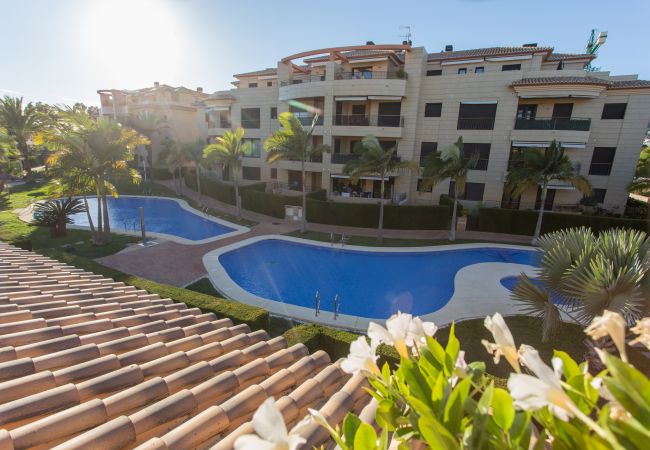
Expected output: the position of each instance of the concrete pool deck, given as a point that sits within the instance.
(179, 265)
(477, 288)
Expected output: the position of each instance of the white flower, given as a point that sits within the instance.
(609, 324)
(504, 344)
(271, 431)
(531, 393)
(460, 369)
(642, 330)
(402, 331)
(362, 357)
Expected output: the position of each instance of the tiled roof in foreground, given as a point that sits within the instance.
(87, 362)
(611, 84)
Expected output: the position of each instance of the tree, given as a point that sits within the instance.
(21, 122)
(294, 143)
(641, 182)
(175, 156)
(147, 124)
(194, 151)
(449, 163)
(582, 274)
(56, 214)
(374, 160)
(94, 155)
(228, 151)
(535, 168)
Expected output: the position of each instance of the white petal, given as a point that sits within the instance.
(528, 392)
(301, 426)
(398, 325)
(269, 423)
(557, 366)
(296, 441)
(532, 360)
(379, 334)
(252, 442)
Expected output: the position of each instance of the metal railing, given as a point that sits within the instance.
(475, 123)
(371, 75)
(218, 124)
(553, 123)
(277, 187)
(365, 120)
(307, 118)
(342, 158)
(299, 79)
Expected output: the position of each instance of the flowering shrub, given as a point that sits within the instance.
(435, 398)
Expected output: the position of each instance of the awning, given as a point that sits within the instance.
(463, 61)
(217, 108)
(482, 102)
(561, 187)
(350, 99)
(361, 178)
(384, 97)
(339, 176)
(531, 144)
(573, 144)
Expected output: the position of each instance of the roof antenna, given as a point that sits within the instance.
(406, 37)
(593, 44)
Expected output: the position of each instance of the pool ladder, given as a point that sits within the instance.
(337, 304)
(317, 302)
(342, 241)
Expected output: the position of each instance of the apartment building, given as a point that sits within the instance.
(500, 100)
(177, 110)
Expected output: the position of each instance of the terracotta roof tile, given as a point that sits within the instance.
(258, 73)
(487, 52)
(561, 56)
(560, 80)
(631, 84)
(84, 359)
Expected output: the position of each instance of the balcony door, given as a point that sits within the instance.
(562, 110)
(550, 197)
(389, 114)
(526, 112)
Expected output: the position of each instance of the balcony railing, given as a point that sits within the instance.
(299, 79)
(218, 124)
(475, 123)
(307, 118)
(553, 123)
(256, 153)
(341, 158)
(364, 120)
(371, 75)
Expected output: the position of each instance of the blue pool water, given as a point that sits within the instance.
(371, 284)
(160, 216)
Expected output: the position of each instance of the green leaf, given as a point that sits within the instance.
(454, 406)
(630, 387)
(350, 425)
(484, 403)
(453, 346)
(436, 435)
(503, 411)
(365, 437)
(569, 366)
(387, 414)
(417, 384)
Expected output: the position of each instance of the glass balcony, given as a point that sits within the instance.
(553, 123)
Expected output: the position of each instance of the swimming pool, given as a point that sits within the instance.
(283, 274)
(168, 218)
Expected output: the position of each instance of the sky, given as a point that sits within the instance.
(62, 51)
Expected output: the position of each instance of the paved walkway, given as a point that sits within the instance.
(179, 265)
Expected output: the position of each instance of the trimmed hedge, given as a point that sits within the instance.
(224, 192)
(336, 343)
(267, 203)
(513, 221)
(256, 318)
(366, 215)
(161, 173)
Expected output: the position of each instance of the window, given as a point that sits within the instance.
(426, 149)
(597, 196)
(274, 112)
(473, 191)
(614, 111)
(483, 151)
(562, 110)
(477, 116)
(296, 81)
(601, 161)
(526, 112)
(252, 85)
(434, 73)
(257, 147)
(427, 189)
(274, 173)
(251, 173)
(479, 70)
(250, 117)
(432, 109)
(269, 83)
(462, 71)
(509, 67)
(224, 119)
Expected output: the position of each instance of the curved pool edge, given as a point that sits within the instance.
(476, 303)
(237, 229)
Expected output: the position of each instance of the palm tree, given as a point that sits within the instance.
(228, 151)
(56, 214)
(147, 124)
(449, 163)
(21, 122)
(374, 160)
(294, 143)
(582, 274)
(175, 156)
(95, 154)
(194, 151)
(535, 168)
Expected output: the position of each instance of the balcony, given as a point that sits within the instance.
(553, 123)
(341, 158)
(219, 124)
(475, 123)
(306, 119)
(299, 79)
(364, 120)
(371, 75)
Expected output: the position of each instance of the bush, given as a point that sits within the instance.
(161, 173)
(320, 194)
(254, 317)
(268, 204)
(513, 221)
(636, 209)
(223, 192)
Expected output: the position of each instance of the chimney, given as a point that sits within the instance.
(370, 43)
(449, 48)
(156, 83)
(199, 89)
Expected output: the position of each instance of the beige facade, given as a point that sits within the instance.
(498, 99)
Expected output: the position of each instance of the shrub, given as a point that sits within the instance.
(513, 221)
(161, 173)
(267, 203)
(223, 192)
(56, 214)
(320, 194)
